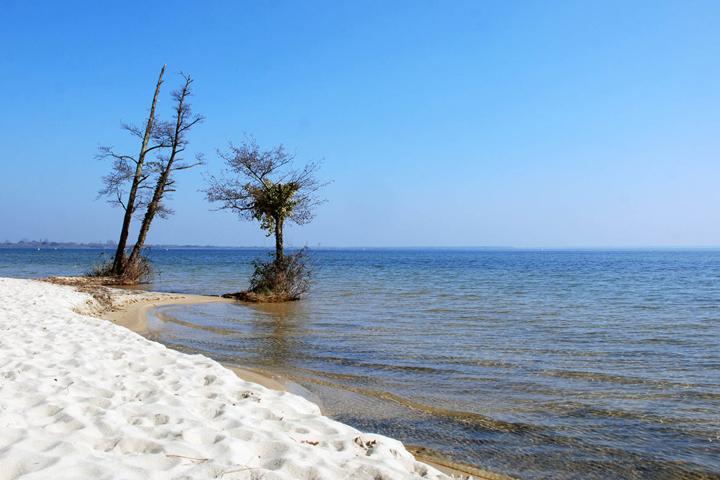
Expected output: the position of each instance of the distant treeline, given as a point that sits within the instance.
(107, 245)
(49, 244)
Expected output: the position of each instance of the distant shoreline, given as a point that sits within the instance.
(111, 248)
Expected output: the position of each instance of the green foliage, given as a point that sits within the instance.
(273, 203)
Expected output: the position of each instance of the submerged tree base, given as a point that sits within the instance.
(266, 297)
(285, 279)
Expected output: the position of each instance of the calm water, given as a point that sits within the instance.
(563, 364)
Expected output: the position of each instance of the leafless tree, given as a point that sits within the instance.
(128, 169)
(261, 185)
(174, 134)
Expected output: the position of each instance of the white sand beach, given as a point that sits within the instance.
(81, 397)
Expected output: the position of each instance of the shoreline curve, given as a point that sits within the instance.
(133, 309)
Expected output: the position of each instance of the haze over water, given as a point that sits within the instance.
(558, 364)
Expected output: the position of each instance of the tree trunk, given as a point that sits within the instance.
(118, 263)
(152, 207)
(147, 219)
(279, 253)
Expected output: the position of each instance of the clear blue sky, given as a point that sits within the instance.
(440, 123)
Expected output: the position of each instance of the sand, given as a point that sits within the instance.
(81, 397)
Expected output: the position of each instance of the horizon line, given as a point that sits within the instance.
(104, 245)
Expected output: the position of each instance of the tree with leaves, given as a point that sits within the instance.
(128, 169)
(261, 185)
(174, 135)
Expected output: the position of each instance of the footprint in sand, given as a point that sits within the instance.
(161, 419)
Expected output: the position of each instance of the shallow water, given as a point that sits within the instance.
(561, 364)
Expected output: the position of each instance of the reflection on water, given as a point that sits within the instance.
(592, 365)
(275, 328)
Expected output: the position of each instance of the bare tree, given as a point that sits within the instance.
(126, 168)
(174, 135)
(262, 187)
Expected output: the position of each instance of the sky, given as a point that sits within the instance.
(438, 123)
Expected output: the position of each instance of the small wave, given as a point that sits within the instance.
(596, 376)
(384, 366)
(471, 418)
(164, 317)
